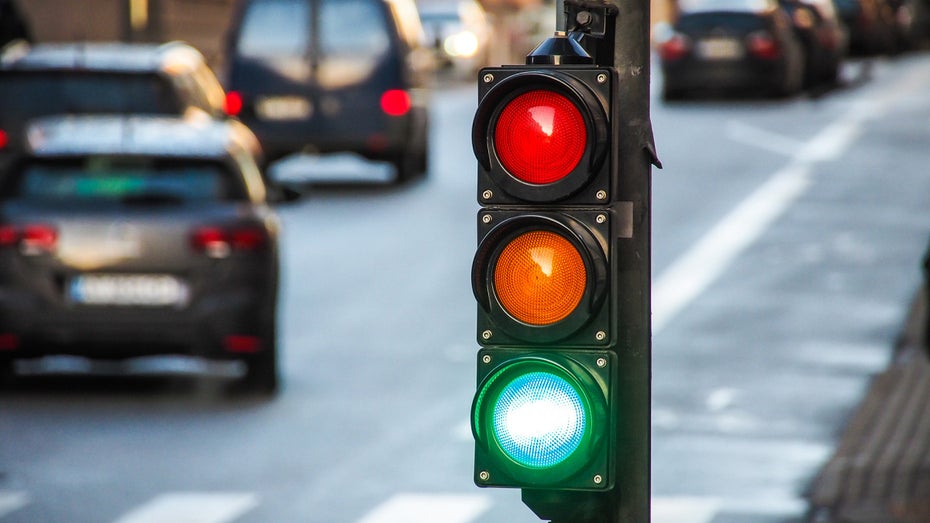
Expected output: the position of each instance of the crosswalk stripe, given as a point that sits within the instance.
(12, 501)
(683, 509)
(429, 508)
(192, 508)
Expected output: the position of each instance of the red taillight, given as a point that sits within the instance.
(247, 239)
(32, 239)
(540, 137)
(675, 48)
(4, 139)
(395, 102)
(240, 343)
(233, 103)
(218, 242)
(9, 342)
(763, 45)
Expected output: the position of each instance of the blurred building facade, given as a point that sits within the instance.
(202, 23)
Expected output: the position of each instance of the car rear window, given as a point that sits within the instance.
(102, 179)
(275, 28)
(346, 38)
(29, 94)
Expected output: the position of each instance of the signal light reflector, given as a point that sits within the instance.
(540, 137)
(540, 277)
(539, 420)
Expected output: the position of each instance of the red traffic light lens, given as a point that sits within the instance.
(540, 136)
(540, 277)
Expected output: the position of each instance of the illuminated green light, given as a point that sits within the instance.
(539, 419)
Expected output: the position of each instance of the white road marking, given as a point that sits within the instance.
(694, 271)
(684, 509)
(11, 501)
(429, 508)
(183, 507)
(701, 265)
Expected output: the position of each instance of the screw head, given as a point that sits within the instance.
(484, 476)
(488, 78)
(601, 78)
(601, 218)
(601, 362)
(486, 359)
(601, 195)
(486, 335)
(600, 335)
(487, 194)
(486, 218)
(598, 479)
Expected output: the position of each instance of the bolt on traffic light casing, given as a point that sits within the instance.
(541, 416)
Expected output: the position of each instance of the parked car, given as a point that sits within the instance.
(459, 33)
(333, 76)
(823, 36)
(871, 25)
(731, 45)
(103, 78)
(123, 237)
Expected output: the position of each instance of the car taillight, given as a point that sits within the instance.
(242, 344)
(675, 48)
(32, 239)
(233, 103)
(4, 139)
(763, 45)
(395, 102)
(218, 242)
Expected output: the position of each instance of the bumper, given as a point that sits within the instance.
(706, 76)
(205, 328)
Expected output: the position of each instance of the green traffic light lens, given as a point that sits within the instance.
(539, 419)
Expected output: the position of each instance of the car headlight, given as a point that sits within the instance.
(463, 44)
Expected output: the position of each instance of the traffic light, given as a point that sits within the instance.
(543, 415)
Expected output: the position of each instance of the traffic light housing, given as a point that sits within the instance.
(543, 415)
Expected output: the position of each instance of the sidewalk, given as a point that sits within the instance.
(880, 471)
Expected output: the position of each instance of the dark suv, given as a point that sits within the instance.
(332, 76)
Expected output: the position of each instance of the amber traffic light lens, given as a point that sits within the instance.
(540, 136)
(540, 278)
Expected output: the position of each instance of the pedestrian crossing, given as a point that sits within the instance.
(232, 507)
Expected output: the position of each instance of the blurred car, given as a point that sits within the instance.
(103, 78)
(730, 45)
(123, 237)
(458, 31)
(333, 76)
(823, 36)
(871, 25)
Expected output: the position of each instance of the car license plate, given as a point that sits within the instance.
(283, 108)
(147, 290)
(720, 49)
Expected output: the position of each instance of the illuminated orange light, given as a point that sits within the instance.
(540, 278)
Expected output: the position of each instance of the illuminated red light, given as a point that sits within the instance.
(395, 102)
(233, 103)
(540, 137)
(4, 139)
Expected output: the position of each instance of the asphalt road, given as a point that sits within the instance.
(787, 238)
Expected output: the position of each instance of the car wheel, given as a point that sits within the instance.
(412, 165)
(7, 372)
(261, 373)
